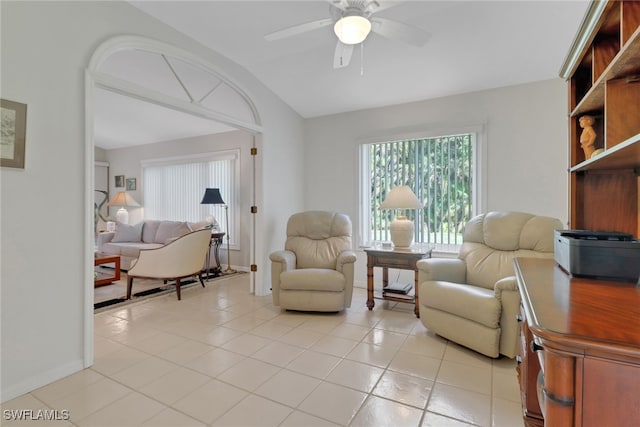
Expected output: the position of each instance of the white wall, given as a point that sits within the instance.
(526, 133)
(127, 162)
(100, 155)
(45, 48)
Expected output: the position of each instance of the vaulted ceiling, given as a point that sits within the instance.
(473, 45)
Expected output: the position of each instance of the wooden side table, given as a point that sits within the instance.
(400, 258)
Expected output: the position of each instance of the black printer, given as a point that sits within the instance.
(598, 254)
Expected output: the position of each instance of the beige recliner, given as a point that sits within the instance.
(315, 270)
(473, 300)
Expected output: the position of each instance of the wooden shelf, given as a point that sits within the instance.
(603, 72)
(625, 155)
(626, 62)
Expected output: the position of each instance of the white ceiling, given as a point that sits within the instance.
(121, 122)
(474, 45)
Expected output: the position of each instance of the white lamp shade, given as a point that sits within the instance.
(401, 197)
(122, 198)
(352, 29)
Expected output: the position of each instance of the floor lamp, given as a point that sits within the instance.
(212, 196)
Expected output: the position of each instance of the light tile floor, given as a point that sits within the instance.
(223, 357)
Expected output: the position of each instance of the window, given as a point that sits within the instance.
(440, 170)
(173, 188)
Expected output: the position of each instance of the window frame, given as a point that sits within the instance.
(479, 155)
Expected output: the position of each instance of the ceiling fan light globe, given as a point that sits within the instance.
(352, 29)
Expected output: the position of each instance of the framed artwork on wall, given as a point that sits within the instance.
(131, 184)
(119, 181)
(13, 136)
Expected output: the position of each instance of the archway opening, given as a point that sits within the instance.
(170, 78)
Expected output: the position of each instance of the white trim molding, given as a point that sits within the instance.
(142, 44)
(249, 121)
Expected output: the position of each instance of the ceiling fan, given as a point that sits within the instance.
(352, 22)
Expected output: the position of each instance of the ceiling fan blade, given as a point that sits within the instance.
(398, 31)
(298, 29)
(375, 6)
(342, 55)
(340, 4)
(367, 6)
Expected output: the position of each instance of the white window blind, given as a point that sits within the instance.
(173, 189)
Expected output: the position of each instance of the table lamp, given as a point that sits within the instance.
(124, 200)
(401, 228)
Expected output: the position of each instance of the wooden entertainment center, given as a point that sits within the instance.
(579, 361)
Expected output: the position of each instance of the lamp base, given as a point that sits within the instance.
(122, 216)
(229, 270)
(401, 232)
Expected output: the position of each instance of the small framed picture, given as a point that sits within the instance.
(14, 129)
(131, 184)
(119, 181)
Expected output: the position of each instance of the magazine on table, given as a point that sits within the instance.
(398, 288)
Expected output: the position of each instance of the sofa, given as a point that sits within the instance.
(128, 240)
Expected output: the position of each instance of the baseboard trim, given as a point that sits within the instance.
(32, 383)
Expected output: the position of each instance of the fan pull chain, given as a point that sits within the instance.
(362, 59)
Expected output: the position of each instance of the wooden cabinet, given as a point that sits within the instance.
(528, 370)
(603, 71)
(579, 361)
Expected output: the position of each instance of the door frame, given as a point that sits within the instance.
(95, 79)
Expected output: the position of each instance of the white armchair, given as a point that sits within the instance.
(473, 300)
(315, 270)
(183, 257)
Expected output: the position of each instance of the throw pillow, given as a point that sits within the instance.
(194, 226)
(170, 229)
(127, 233)
(149, 230)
